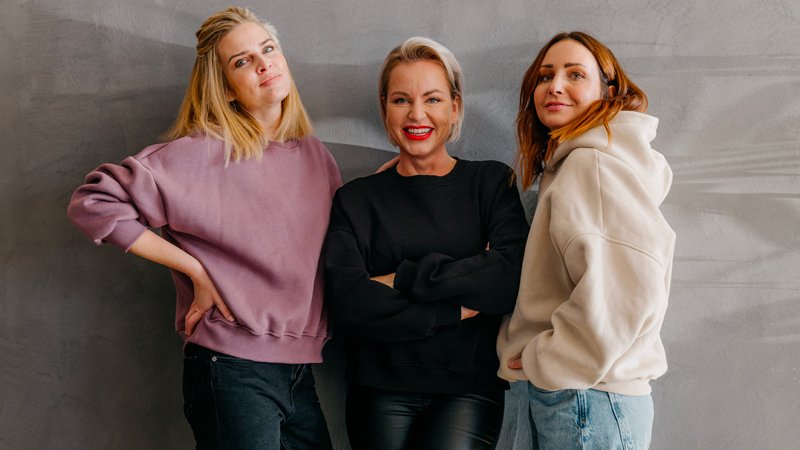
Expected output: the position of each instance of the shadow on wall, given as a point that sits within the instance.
(92, 361)
(356, 161)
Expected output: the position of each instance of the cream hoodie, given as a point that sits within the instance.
(596, 273)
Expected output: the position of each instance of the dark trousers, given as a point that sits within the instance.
(237, 404)
(385, 420)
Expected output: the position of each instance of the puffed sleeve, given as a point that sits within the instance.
(116, 203)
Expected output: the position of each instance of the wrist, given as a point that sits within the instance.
(194, 269)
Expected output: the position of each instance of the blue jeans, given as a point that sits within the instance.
(234, 403)
(589, 419)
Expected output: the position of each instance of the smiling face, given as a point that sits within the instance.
(569, 82)
(256, 71)
(419, 108)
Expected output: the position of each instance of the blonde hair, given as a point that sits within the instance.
(424, 49)
(206, 109)
(536, 143)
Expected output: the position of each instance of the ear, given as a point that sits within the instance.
(612, 91)
(456, 108)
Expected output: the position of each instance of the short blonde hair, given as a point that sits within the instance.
(206, 109)
(424, 49)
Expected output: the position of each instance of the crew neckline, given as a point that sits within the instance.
(289, 144)
(415, 180)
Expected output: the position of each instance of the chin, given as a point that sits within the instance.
(556, 124)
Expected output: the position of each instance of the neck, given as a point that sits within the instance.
(269, 120)
(439, 164)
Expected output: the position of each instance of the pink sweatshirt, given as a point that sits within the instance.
(257, 227)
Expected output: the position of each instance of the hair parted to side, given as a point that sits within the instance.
(536, 143)
(424, 49)
(205, 108)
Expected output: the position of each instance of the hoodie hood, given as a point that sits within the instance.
(631, 135)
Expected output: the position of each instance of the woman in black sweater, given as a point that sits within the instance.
(421, 261)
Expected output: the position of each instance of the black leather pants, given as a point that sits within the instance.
(383, 420)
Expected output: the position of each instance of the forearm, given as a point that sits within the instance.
(486, 282)
(153, 247)
(370, 309)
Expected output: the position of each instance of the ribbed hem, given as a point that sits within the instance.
(241, 343)
(637, 387)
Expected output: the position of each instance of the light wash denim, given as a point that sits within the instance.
(589, 419)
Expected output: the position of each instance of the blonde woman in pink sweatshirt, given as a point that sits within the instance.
(242, 193)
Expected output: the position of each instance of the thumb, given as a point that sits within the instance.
(190, 321)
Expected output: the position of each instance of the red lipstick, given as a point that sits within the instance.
(417, 133)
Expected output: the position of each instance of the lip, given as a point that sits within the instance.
(555, 106)
(270, 80)
(407, 131)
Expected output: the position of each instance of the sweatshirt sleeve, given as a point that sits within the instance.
(369, 309)
(486, 282)
(334, 174)
(116, 203)
(619, 296)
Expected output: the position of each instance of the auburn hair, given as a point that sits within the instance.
(536, 143)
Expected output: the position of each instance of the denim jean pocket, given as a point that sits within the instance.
(545, 398)
(634, 417)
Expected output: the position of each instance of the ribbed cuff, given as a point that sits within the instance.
(125, 234)
(447, 314)
(404, 275)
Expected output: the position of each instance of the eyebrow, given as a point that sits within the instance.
(550, 66)
(242, 53)
(432, 91)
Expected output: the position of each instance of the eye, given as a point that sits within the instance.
(269, 49)
(433, 100)
(399, 101)
(576, 76)
(240, 62)
(545, 77)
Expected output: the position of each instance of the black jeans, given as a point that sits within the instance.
(237, 404)
(385, 420)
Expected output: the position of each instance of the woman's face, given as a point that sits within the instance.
(257, 73)
(419, 109)
(569, 82)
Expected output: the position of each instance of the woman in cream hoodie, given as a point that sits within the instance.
(596, 274)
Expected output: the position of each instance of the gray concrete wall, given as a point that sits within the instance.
(89, 358)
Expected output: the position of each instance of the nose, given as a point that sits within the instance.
(263, 64)
(556, 85)
(416, 111)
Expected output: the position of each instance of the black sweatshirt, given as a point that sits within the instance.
(433, 232)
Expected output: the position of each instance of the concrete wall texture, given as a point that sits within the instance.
(89, 357)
